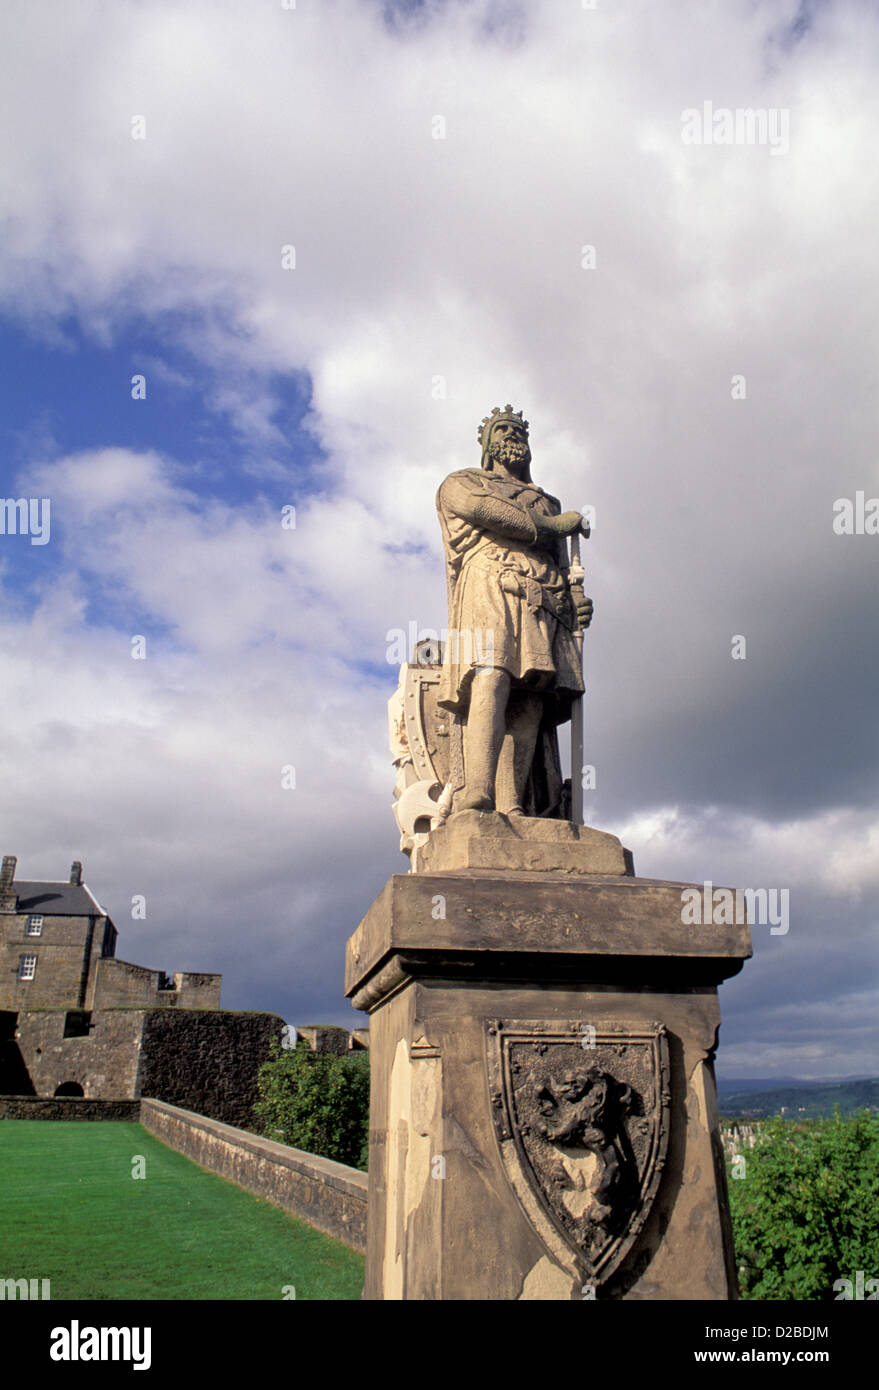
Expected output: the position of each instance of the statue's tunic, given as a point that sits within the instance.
(509, 601)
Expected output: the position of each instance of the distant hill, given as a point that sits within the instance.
(732, 1085)
(806, 1100)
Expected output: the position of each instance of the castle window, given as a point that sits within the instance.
(27, 967)
(77, 1023)
(34, 926)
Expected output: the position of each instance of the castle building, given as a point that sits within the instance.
(58, 951)
(76, 1021)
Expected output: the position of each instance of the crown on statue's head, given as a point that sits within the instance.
(508, 415)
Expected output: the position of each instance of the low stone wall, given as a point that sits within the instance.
(329, 1196)
(66, 1108)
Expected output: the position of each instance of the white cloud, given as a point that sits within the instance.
(165, 774)
(834, 853)
(458, 258)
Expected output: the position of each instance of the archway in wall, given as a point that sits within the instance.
(70, 1088)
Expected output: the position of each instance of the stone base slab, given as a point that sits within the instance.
(534, 926)
(489, 840)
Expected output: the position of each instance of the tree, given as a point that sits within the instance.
(316, 1102)
(804, 1213)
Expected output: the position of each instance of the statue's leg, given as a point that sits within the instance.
(483, 737)
(524, 712)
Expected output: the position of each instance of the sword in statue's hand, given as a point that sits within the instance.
(576, 575)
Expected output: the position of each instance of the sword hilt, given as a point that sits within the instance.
(576, 575)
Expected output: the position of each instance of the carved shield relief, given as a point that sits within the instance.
(580, 1113)
(427, 726)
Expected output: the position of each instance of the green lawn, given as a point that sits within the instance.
(70, 1211)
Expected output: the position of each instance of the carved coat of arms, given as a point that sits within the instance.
(581, 1117)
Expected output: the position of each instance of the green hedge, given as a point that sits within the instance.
(806, 1210)
(316, 1102)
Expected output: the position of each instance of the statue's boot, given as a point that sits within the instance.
(479, 767)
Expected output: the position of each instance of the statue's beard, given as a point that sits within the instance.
(511, 453)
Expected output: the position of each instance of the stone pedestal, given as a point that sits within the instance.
(543, 1121)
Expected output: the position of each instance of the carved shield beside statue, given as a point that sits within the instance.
(580, 1112)
(426, 745)
(419, 733)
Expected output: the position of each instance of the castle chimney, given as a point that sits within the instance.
(76, 873)
(8, 896)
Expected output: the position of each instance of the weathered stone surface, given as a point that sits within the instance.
(530, 844)
(204, 1059)
(543, 1123)
(546, 954)
(581, 1117)
(119, 984)
(104, 1062)
(535, 926)
(473, 723)
(329, 1195)
(512, 662)
(323, 1037)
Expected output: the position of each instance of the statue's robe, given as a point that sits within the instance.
(509, 608)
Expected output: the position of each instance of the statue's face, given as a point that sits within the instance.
(509, 447)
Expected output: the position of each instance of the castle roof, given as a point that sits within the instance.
(56, 899)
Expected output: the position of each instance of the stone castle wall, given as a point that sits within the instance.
(203, 1059)
(119, 984)
(58, 982)
(104, 1062)
(206, 1060)
(328, 1038)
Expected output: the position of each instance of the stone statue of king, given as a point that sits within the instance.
(512, 665)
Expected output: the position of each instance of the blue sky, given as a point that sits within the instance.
(438, 272)
(71, 393)
(64, 393)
